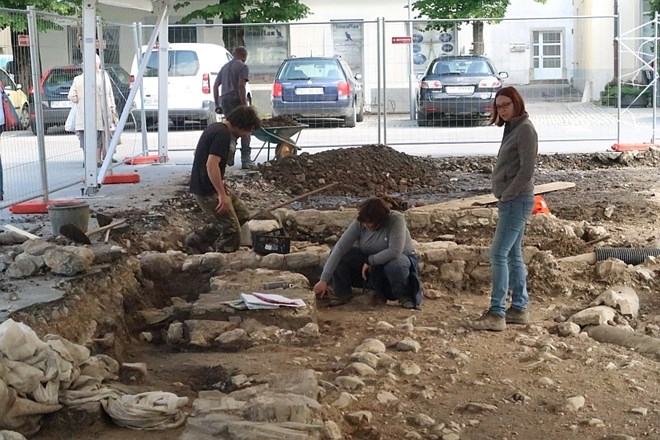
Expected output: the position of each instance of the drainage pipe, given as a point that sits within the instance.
(627, 255)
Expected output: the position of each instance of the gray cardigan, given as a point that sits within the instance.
(516, 160)
(388, 242)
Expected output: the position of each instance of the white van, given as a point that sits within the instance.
(190, 77)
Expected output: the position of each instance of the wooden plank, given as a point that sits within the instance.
(490, 199)
(19, 231)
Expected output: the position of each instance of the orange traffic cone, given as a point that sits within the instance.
(540, 207)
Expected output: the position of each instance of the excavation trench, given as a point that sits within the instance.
(168, 309)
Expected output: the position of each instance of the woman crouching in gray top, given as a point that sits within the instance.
(375, 253)
(514, 188)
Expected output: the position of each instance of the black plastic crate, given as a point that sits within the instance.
(272, 242)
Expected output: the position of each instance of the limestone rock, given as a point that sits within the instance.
(622, 298)
(66, 261)
(597, 315)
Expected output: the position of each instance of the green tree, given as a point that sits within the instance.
(463, 10)
(245, 11)
(17, 22)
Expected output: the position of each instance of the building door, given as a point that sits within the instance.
(548, 55)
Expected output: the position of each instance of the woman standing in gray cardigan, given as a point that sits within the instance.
(513, 186)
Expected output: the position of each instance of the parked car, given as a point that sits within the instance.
(192, 69)
(17, 97)
(459, 88)
(55, 85)
(317, 89)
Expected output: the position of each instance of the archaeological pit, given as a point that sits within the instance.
(138, 334)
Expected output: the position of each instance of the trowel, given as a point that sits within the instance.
(73, 232)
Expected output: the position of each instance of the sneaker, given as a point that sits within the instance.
(488, 321)
(249, 166)
(407, 303)
(194, 242)
(376, 300)
(515, 316)
(336, 301)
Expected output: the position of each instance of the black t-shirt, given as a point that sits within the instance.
(215, 139)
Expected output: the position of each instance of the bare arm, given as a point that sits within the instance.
(216, 94)
(213, 170)
(73, 93)
(242, 92)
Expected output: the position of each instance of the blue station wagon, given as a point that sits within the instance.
(316, 89)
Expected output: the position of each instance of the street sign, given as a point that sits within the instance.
(401, 40)
(23, 39)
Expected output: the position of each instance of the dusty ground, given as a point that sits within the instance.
(457, 366)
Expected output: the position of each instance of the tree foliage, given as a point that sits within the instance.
(18, 22)
(463, 11)
(245, 11)
(248, 11)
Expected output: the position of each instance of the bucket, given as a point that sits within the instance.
(76, 213)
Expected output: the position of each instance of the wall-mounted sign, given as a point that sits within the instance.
(267, 46)
(401, 40)
(348, 43)
(429, 44)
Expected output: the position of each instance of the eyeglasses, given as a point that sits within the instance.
(503, 106)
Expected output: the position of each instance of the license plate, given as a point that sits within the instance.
(151, 101)
(309, 91)
(60, 104)
(459, 90)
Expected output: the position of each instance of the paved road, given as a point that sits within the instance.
(564, 127)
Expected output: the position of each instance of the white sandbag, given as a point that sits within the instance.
(147, 411)
(21, 377)
(68, 350)
(11, 435)
(18, 341)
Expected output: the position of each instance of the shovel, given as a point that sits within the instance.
(73, 232)
(266, 211)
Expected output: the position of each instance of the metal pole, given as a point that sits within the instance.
(137, 27)
(379, 64)
(654, 72)
(617, 29)
(163, 75)
(411, 70)
(38, 109)
(382, 20)
(89, 96)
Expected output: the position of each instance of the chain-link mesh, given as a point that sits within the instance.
(381, 78)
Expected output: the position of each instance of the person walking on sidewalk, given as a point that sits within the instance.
(224, 211)
(512, 183)
(233, 78)
(105, 109)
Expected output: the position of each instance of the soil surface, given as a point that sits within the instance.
(509, 370)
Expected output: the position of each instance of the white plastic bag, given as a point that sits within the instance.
(70, 124)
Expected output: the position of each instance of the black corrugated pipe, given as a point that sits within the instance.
(627, 255)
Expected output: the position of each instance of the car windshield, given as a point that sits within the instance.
(462, 67)
(117, 74)
(61, 78)
(180, 63)
(303, 70)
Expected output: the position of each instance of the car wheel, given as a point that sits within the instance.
(351, 119)
(422, 122)
(25, 117)
(360, 115)
(208, 121)
(285, 149)
(33, 126)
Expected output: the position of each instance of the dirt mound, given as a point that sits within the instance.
(279, 121)
(361, 171)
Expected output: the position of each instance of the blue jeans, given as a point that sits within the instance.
(506, 260)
